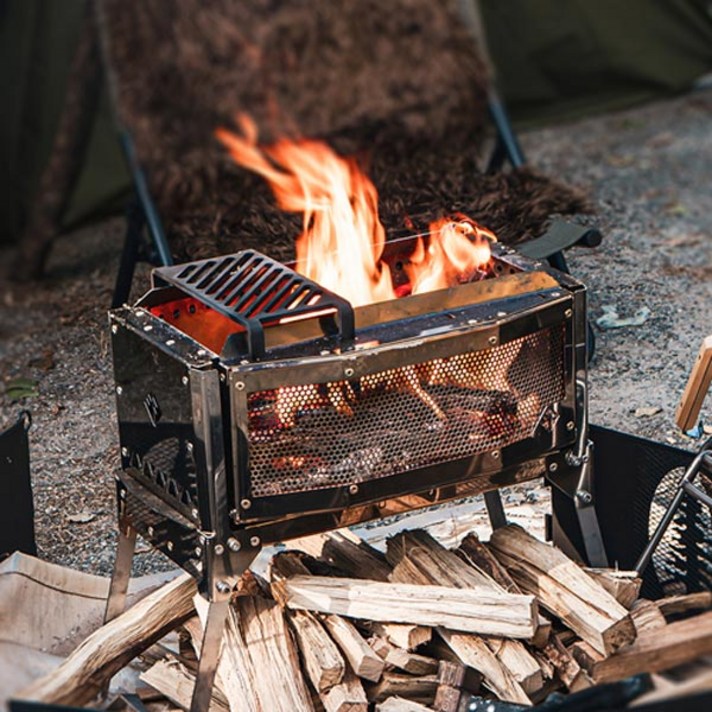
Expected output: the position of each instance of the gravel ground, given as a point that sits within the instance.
(649, 170)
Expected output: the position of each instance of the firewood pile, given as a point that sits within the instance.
(340, 626)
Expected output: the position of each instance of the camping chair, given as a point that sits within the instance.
(146, 239)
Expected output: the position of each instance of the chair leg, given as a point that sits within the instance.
(135, 221)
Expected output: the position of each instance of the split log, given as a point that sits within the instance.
(402, 635)
(624, 586)
(675, 605)
(402, 659)
(398, 704)
(473, 651)
(585, 655)
(419, 689)
(358, 560)
(455, 672)
(564, 589)
(347, 696)
(418, 558)
(452, 679)
(85, 672)
(176, 682)
(322, 660)
(567, 668)
(659, 649)
(476, 554)
(359, 654)
(478, 611)
(647, 616)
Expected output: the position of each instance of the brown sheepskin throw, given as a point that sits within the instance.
(398, 83)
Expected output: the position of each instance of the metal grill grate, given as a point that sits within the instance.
(316, 436)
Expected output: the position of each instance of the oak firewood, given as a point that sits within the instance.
(658, 649)
(564, 588)
(475, 553)
(568, 670)
(647, 616)
(83, 674)
(358, 560)
(322, 660)
(418, 689)
(418, 558)
(674, 605)
(359, 654)
(398, 704)
(624, 586)
(347, 696)
(480, 610)
(402, 659)
(402, 635)
(173, 680)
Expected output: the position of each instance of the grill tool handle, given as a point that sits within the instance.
(696, 389)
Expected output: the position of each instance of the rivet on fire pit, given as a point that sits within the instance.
(553, 467)
(148, 327)
(556, 294)
(222, 378)
(353, 489)
(169, 546)
(492, 340)
(348, 372)
(472, 322)
(245, 503)
(124, 451)
(568, 313)
(219, 550)
(222, 587)
(254, 541)
(570, 425)
(240, 385)
(201, 352)
(198, 551)
(114, 329)
(119, 390)
(233, 544)
(149, 531)
(501, 313)
(170, 342)
(584, 497)
(184, 380)
(194, 513)
(495, 454)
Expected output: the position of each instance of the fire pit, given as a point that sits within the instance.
(259, 401)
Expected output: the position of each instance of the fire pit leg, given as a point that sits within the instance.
(209, 655)
(495, 509)
(116, 601)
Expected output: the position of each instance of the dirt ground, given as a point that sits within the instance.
(649, 171)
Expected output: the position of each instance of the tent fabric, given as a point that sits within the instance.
(555, 60)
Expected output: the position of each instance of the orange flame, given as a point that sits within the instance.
(342, 241)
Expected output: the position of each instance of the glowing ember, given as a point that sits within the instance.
(342, 241)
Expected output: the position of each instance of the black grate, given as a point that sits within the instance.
(253, 290)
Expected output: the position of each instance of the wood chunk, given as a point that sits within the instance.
(624, 586)
(675, 605)
(359, 560)
(83, 674)
(451, 681)
(347, 696)
(398, 704)
(176, 682)
(451, 670)
(418, 558)
(402, 659)
(447, 699)
(478, 611)
(419, 689)
(402, 635)
(585, 655)
(564, 588)
(659, 649)
(322, 660)
(647, 616)
(473, 651)
(568, 670)
(359, 654)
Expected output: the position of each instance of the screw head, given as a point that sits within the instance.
(495, 454)
(501, 313)
(124, 451)
(570, 425)
(553, 467)
(119, 390)
(149, 531)
(114, 329)
(198, 551)
(184, 380)
(194, 513)
(245, 503)
(219, 549)
(233, 544)
(353, 489)
(492, 340)
(348, 372)
(223, 587)
(169, 546)
(568, 313)
(255, 541)
(584, 496)
(240, 385)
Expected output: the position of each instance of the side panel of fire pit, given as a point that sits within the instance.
(314, 442)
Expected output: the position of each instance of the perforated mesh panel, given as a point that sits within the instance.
(315, 436)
